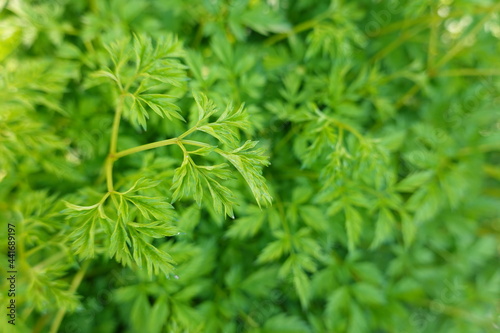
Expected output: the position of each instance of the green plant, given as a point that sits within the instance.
(139, 86)
(141, 202)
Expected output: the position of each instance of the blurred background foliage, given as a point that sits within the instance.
(381, 122)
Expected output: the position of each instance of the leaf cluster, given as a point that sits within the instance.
(251, 166)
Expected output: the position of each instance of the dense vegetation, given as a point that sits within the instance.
(251, 166)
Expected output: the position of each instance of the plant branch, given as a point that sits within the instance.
(195, 143)
(409, 94)
(116, 125)
(146, 147)
(162, 143)
(109, 174)
(189, 131)
(470, 72)
(113, 143)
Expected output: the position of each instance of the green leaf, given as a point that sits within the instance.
(136, 113)
(140, 311)
(206, 107)
(49, 290)
(158, 316)
(274, 250)
(384, 227)
(353, 222)
(154, 69)
(323, 140)
(358, 322)
(414, 181)
(10, 38)
(156, 229)
(162, 105)
(368, 294)
(106, 73)
(302, 286)
(408, 228)
(222, 197)
(83, 234)
(76, 210)
(337, 302)
(426, 202)
(142, 184)
(226, 127)
(369, 272)
(263, 20)
(186, 181)
(191, 179)
(260, 282)
(120, 243)
(302, 194)
(314, 217)
(146, 255)
(128, 235)
(245, 227)
(189, 219)
(283, 323)
(152, 207)
(248, 161)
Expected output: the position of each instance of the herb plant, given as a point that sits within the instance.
(250, 166)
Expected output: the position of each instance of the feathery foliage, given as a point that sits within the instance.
(250, 165)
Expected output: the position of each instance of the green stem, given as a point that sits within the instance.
(74, 286)
(195, 143)
(158, 144)
(189, 131)
(184, 150)
(470, 72)
(113, 143)
(116, 126)
(109, 174)
(409, 94)
(146, 147)
(114, 155)
(117, 155)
